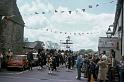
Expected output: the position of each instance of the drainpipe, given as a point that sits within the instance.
(122, 30)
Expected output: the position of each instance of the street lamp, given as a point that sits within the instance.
(109, 33)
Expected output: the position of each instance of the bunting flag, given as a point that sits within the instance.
(111, 1)
(62, 11)
(43, 12)
(90, 6)
(36, 13)
(56, 11)
(74, 33)
(79, 34)
(46, 29)
(69, 12)
(83, 10)
(70, 33)
(97, 5)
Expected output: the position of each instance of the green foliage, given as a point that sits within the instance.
(83, 51)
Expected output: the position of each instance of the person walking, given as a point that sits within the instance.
(103, 69)
(9, 54)
(113, 57)
(121, 69)
(49, 63)
(30, 59)
(54, 65)
(1, 57)
(79, 65)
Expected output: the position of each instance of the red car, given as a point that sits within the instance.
(18, 61)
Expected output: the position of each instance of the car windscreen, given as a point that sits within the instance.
(17, 58)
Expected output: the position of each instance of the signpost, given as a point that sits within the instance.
(67, 42)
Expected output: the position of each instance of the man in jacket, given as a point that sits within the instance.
(79, 65)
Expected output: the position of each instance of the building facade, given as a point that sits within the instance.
(33, 46)
(11, 26)
(106, 44)
(118, 30)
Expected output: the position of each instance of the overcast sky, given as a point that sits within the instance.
(93, 21)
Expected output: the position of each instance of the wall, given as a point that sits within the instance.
(123, 32)
(12, 36)
(11, 29)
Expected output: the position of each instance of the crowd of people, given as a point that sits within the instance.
(4, 57)
(100, 68)
(94, 67)
(53, 59)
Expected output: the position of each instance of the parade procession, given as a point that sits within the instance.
(61, 41)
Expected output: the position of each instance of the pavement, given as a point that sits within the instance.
(40, 75)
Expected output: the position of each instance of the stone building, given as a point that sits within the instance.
(118, 30)
(11, 26)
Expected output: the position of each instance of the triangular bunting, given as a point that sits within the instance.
(36, 13)
(62, 11)
(46, 29)
(111, 1)
(69, 12)
(43, 12)
(83, 10)
(90, 6)
(56, 11)
(97, 5)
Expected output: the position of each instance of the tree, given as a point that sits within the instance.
(83, 51)
(89, 51)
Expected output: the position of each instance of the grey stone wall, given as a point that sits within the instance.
(12, 30)
(12, 36)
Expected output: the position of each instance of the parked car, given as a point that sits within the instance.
(18, 61)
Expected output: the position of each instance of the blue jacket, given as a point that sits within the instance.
(79, 61)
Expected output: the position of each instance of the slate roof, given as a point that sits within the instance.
(9, 8)
(33, 44)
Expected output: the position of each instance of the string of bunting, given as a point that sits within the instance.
(70, 33)
(83, 10)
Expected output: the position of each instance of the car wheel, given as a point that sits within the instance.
(8, 68)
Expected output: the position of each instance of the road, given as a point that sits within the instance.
(36, 75)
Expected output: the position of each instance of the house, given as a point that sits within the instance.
(11, 26)
(106, 44)
(33, 46)
(118, 30)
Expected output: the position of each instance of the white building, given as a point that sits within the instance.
(118, 30)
